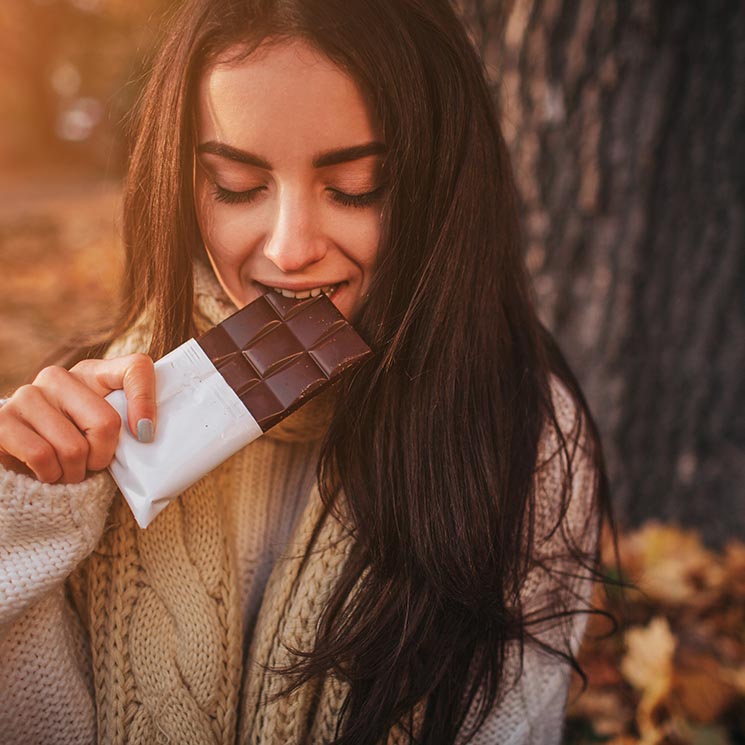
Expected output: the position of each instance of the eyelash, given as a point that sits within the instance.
(347, 200)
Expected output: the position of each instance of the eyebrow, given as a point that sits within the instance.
(321, 160)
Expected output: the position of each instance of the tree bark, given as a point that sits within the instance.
(626, 125)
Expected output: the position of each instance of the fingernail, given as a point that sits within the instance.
(145, 430)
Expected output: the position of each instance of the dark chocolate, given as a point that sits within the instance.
(278, 352)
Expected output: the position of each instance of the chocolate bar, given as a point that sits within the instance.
(218, 393)
(278, 352)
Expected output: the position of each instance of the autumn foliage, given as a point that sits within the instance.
(674, 672)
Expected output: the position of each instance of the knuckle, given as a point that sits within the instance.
(110, 423)
(25, 394)
(74, 451)
(107, 424)
(83, 366)
(140, 362)
(139, 379)
(50, 375)
(139, 371)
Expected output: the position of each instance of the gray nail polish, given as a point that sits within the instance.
(145, 430)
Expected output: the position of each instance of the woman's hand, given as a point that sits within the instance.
(60, 426)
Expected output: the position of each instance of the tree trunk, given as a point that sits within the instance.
(626, 124)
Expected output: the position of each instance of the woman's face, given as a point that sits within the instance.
(288, 188)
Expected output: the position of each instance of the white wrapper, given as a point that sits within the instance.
(201, 423)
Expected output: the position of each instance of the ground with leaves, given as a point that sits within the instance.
(674, 671)
(61, 263)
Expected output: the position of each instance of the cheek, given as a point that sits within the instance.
(358, 236)
(226, 235)
(370, 243)
(368, 259)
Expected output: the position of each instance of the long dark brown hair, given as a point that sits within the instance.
(437, 465)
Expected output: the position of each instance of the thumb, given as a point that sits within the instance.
(135, 375)
(138, 383)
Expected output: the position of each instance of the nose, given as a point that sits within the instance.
(296, 240)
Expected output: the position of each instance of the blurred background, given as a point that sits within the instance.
(70, 70)
(626, 124)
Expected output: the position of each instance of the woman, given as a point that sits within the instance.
(429, 585)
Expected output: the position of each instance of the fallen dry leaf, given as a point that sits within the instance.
(648, 667)
(671, 565)
(648, 661)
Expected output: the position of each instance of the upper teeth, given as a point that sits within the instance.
(315, 292)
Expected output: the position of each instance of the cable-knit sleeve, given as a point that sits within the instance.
(46, 531)
(531, 708)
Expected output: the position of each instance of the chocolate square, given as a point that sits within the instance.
(239, 374)
(317, 322)
(339, 351)
(274, 350)
(297, 380)
(256, 319)
(263, 405)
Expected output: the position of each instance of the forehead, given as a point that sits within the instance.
(282, 98)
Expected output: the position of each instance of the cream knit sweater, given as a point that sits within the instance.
(61, 615)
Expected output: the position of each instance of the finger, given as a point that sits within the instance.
(25, 445)
(135, 374)
(95, 418)
(9, 463)
(69, 444)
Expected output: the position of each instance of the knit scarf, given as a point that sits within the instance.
(164, 618)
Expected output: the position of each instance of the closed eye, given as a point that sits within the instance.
(347, 200)
(236, 197)
(357, 200)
